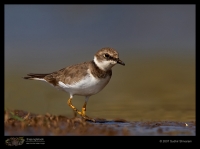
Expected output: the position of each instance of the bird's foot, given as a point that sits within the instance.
(88, 118)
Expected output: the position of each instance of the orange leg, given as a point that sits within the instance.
(83, 113)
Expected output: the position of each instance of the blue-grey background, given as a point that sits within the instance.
(157, 43)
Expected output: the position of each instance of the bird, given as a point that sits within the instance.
(83, 79)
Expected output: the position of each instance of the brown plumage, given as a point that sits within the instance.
(71, 74)
(83, 79)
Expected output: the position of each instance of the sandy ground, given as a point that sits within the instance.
(22, 123)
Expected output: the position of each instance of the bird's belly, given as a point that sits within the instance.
(86, 87)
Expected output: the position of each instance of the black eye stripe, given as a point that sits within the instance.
(110, 57)
(107, 55)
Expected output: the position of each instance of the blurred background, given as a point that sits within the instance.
(156, 42)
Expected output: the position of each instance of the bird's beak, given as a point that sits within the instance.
(120, 62)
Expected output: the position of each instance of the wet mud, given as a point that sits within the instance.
(22, 123)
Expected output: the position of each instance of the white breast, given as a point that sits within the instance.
(89, 85)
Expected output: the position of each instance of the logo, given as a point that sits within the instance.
(14, 141)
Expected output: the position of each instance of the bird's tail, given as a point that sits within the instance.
(34, 76)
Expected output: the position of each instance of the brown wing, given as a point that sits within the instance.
(66, 75)
(72, 73)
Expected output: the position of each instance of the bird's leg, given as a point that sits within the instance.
(79, 112)
(74, 108)
(84, 106)
(84, 110)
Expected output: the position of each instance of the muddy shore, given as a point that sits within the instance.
(22, 123)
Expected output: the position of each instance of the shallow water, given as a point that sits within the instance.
(153, 128)
(158, 128)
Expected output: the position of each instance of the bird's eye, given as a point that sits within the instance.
(106, 55)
